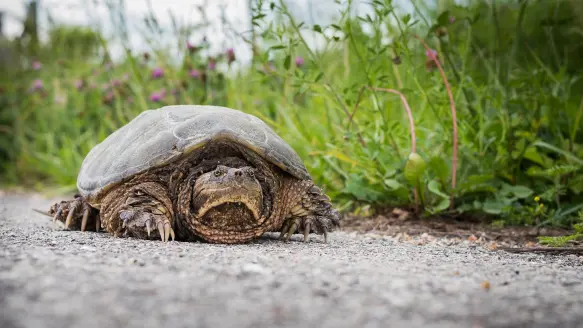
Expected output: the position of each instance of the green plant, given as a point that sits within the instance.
(491, 119)
(564, 240)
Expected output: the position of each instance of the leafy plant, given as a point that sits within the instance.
(561, 241)
(492, 97)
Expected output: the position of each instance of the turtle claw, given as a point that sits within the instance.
(148, 227)
(289, 228)
(125, 217)
(284, 229)
(165, 231)
(307, 232)
(135, 222)
(72, 211)
(308, 224)
(57, 216)
(86, 213)
(161, 231)
(74, 214)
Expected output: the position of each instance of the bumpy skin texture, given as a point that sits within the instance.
(196, 173)
(223, 193)
(231, 187)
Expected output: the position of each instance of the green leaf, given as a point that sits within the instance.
(393, 184)
(443, 205)
(493, 207)
(559, 151)
(439, 167)
(317, 28)
(287, 62)
(557, 241)
(443, 19)
(319, 77)
(414, 168)
(520, 192)
(533, 155)
(433, 187)
(360, 189)
(277, 47)
(406, 19)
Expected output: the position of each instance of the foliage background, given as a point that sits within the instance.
(513, 68)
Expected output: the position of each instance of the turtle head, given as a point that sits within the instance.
(228, 195)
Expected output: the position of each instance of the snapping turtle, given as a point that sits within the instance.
(188, 173)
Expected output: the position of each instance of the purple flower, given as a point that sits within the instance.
(299, 61)
(37, 85)
(191, 47)
(212, 65)
(158, 72)
(36, 65)
(78, 84)
(108, 98)
(115, 83)
(451, 19)
(157, 96)
(430, 63)
(231, 55)
(194, 73)
(431, 54)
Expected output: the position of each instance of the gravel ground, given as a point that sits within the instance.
(52, 278)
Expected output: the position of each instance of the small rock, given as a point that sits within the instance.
(254, 268)
(88, 248)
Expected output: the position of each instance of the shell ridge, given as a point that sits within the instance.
(157, 137)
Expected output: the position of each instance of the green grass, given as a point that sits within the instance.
(516, 85)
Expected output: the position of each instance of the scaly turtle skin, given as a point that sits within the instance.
(196, 173)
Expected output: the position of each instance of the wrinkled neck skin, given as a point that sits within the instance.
(222, 208)
(231, 207)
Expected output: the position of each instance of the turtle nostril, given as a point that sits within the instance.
(238, 173)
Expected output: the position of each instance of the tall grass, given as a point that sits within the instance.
(513, 81)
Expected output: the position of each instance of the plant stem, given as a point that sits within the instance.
(453, 117)
(411, 130)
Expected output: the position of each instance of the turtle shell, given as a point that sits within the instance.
(158, 137)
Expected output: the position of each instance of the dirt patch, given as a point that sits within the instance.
(404, 226)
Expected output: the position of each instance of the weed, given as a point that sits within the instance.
(492, 97)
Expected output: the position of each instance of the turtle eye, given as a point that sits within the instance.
(251, 174)
(218, 173)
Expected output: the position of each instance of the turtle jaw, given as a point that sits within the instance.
(211, 201)
(227, 187)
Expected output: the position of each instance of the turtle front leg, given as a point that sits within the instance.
(313, 212)
(141, 210)
(76, 214)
